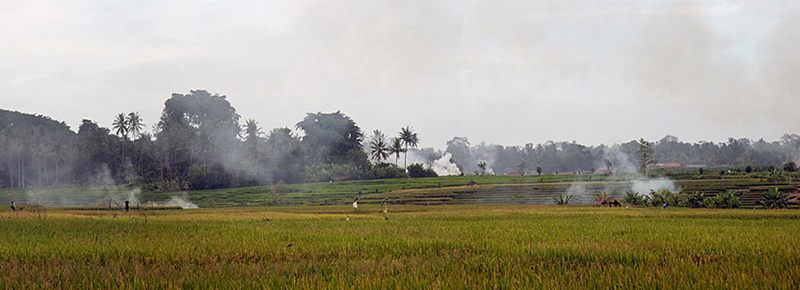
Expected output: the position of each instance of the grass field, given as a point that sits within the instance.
(446, 246)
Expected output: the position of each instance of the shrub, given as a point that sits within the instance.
(773, 198)
(418, 170)
(728, 199)
(388, 170)
(790, 166)
(562, 199)
(280, 187)
(696, 200)
(658, 198)
(634, 198)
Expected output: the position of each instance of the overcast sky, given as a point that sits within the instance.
(504, 72)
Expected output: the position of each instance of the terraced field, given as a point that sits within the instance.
(532, 190)
(582, 192)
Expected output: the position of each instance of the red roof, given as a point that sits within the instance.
(671, 165)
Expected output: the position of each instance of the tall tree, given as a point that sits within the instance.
(285, 156)
(378, 149)
(328, 137)
(252, 143)
(134, 126)
(409, 138)
(198, 128)
(396, 148)
(645, 155)
(120, 127)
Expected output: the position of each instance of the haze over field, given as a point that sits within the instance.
(508, 73)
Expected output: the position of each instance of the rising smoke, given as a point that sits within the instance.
(102, 192)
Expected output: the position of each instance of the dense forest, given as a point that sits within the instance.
(201, 142)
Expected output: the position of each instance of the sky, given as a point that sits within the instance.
(502, 72)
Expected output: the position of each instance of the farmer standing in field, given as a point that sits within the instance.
(385, 208)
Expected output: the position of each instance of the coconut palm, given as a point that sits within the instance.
(396, 148)
(252, 139)
(409, 138)
(378, 149)
(134, 126)
(120, 127)
(134, 123)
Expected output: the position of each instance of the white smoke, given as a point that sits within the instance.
(443, 166)
(133, 196)
(582, 195)
(178, 201)
(620, 161)
(579, 194)
(648, 185)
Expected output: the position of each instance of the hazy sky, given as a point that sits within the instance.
(504, 72)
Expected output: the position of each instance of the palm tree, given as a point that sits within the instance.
(134, 125)
(378, 149)
(409, 138)
(120, 127)
(252, 138)
(396, 148)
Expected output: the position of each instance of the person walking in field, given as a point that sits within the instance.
(385, 208)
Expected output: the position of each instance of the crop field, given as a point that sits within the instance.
(439, 247)
(489, 189)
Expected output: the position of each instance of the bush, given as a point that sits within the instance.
(280, 187)
(696, 200)
(322, 172)
(562, 199)
(418, 170)
(658, 198)
(634, 198)
(727, 199)
(387, 170)
(790, 166)
(773, 198)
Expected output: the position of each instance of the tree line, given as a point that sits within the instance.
(636, 155)
(199, 142)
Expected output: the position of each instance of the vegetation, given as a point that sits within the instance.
(409, 138)
(418, 247)
(774, 198)
(726, 199)
(419, 170)
(198, 143)
(645, 155)
(562, 199)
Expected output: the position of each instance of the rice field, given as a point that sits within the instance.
(438, 247)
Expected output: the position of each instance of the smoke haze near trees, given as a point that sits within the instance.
(199, 143)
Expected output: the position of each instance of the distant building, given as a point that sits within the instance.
(669, 165)
(512, 172)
